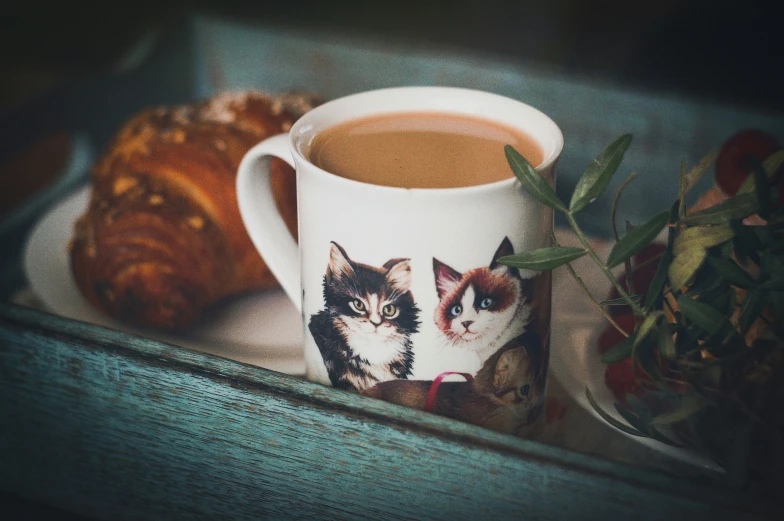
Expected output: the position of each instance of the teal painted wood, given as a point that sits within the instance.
(114, 426)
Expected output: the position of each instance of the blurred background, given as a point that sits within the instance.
(89, 66)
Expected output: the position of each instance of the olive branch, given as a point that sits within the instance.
(707, 382)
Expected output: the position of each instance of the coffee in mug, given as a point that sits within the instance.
(421, 150)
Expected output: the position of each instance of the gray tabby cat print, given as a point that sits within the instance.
(364, 331)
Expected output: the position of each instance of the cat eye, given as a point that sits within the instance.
(390, 311)
(524, 390)
(456, 310)
(486, 303)
(357, 305)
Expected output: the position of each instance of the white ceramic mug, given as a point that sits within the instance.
(414, 244)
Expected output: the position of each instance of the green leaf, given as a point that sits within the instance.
(724, 299)
(729, 271)
(770, 165)
(766, 236)
(750, 310)
(543, 259)
(634, 420)
(658, 436)
(777, 218)
(644, 358)
(675, 210)
(654, 296)
(684, 266)
(682, 189)
(598, 174)
(697, 171)
(666, 345)
(773, 162)
(703, 315)
(639, 407)
(637, 239)
(739, 207)
(702, 237)
(746, 243)
(712, 375)
(761, 190)
(709, 284)
(620, 351)
(648, 326)
(688, 405)
(533, 183)
(771, 265)
(776, 284)
(620, 301)
(609, 419)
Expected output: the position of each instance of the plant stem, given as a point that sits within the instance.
(614, 207)
(613, 211)
(630, 272)
(595, 302)
(592, 253)
(669, 306)
(682, 191)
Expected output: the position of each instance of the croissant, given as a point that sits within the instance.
(162, 239)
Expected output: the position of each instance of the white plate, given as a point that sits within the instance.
(263, 329)
(575, 359)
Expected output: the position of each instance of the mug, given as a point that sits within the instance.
(401, 292)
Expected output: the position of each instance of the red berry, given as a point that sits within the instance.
(734, 162)
(618, 377)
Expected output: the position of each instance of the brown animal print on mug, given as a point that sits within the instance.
(505, 395)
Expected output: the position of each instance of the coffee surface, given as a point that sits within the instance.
(421, 150)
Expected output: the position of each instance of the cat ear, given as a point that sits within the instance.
(339, 263)
(509, 363)
(399, 275)
(446, 278)
(503, 250)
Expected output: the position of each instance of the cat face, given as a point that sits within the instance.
(479, 302)
(374, 307)
(516, 381)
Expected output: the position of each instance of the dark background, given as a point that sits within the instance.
(730, 51)
(64, 68)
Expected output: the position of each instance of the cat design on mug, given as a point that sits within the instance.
(507, 394)
(483, 308)
(364, 331)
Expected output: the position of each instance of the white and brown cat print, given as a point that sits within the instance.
(364, 334)
(482, 309)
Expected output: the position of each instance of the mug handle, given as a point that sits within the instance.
(260, 215)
